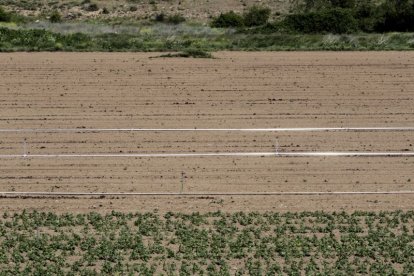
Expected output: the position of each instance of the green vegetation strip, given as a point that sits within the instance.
(41, 40)
(311, 243)
(310, 25)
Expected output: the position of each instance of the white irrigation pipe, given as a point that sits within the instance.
(218, 154)
(309, 129)
(17, 194)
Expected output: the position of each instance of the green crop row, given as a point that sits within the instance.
(311, 243)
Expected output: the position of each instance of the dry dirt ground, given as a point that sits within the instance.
(235, 90)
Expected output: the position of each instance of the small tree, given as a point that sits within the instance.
(256, 16)
(91, 7)
(55, 17)
(160, 17)
(175, 19)
(336, 21)
(396, 15)
(4, 16)
(105, 10)
(229, 19)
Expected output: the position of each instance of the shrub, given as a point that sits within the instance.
(160, 17)
(4, 16)
(326, 21)
(367, 16)
(379, 16)
(175, 19)
(396, 15)
(345, 4)
(172, 19)
(317, 5)
(91, 7)
(227, 20)
(55, 17)
(105, 10)
(256, 16)
(35, 40)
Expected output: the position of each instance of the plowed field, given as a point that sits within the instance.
(47, 91)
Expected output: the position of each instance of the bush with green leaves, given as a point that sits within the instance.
(396, 16)
(55, 17)
(256, 16)
(4, 16)
(171, 19)
(160, 17)
(335, 20)
(367, 16)
(318, 5)
(228, 20)
(246, 40)
(175, 19)
(41, 40)
(371, 16)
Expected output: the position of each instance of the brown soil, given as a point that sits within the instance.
(236, 90)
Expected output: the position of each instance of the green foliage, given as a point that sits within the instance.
(325, 21)
(133, 8)
(345, 4)
(366, 13)
(228, 20)
(396, 15)
(175, 19)
(4, 16)
(378, 16)
(311, 243)
(55, 17)
(171, 19)
(12, 16)
(256, 16)
(317, 5)
(41, 40)
(160, 17)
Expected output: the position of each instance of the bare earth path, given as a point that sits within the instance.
(235, 90)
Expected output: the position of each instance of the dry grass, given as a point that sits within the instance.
(202, 11)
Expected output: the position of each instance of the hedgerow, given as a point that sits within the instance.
(328, 16)
(41, 40)
(336, 20)
(253, 17)
(314, 16)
